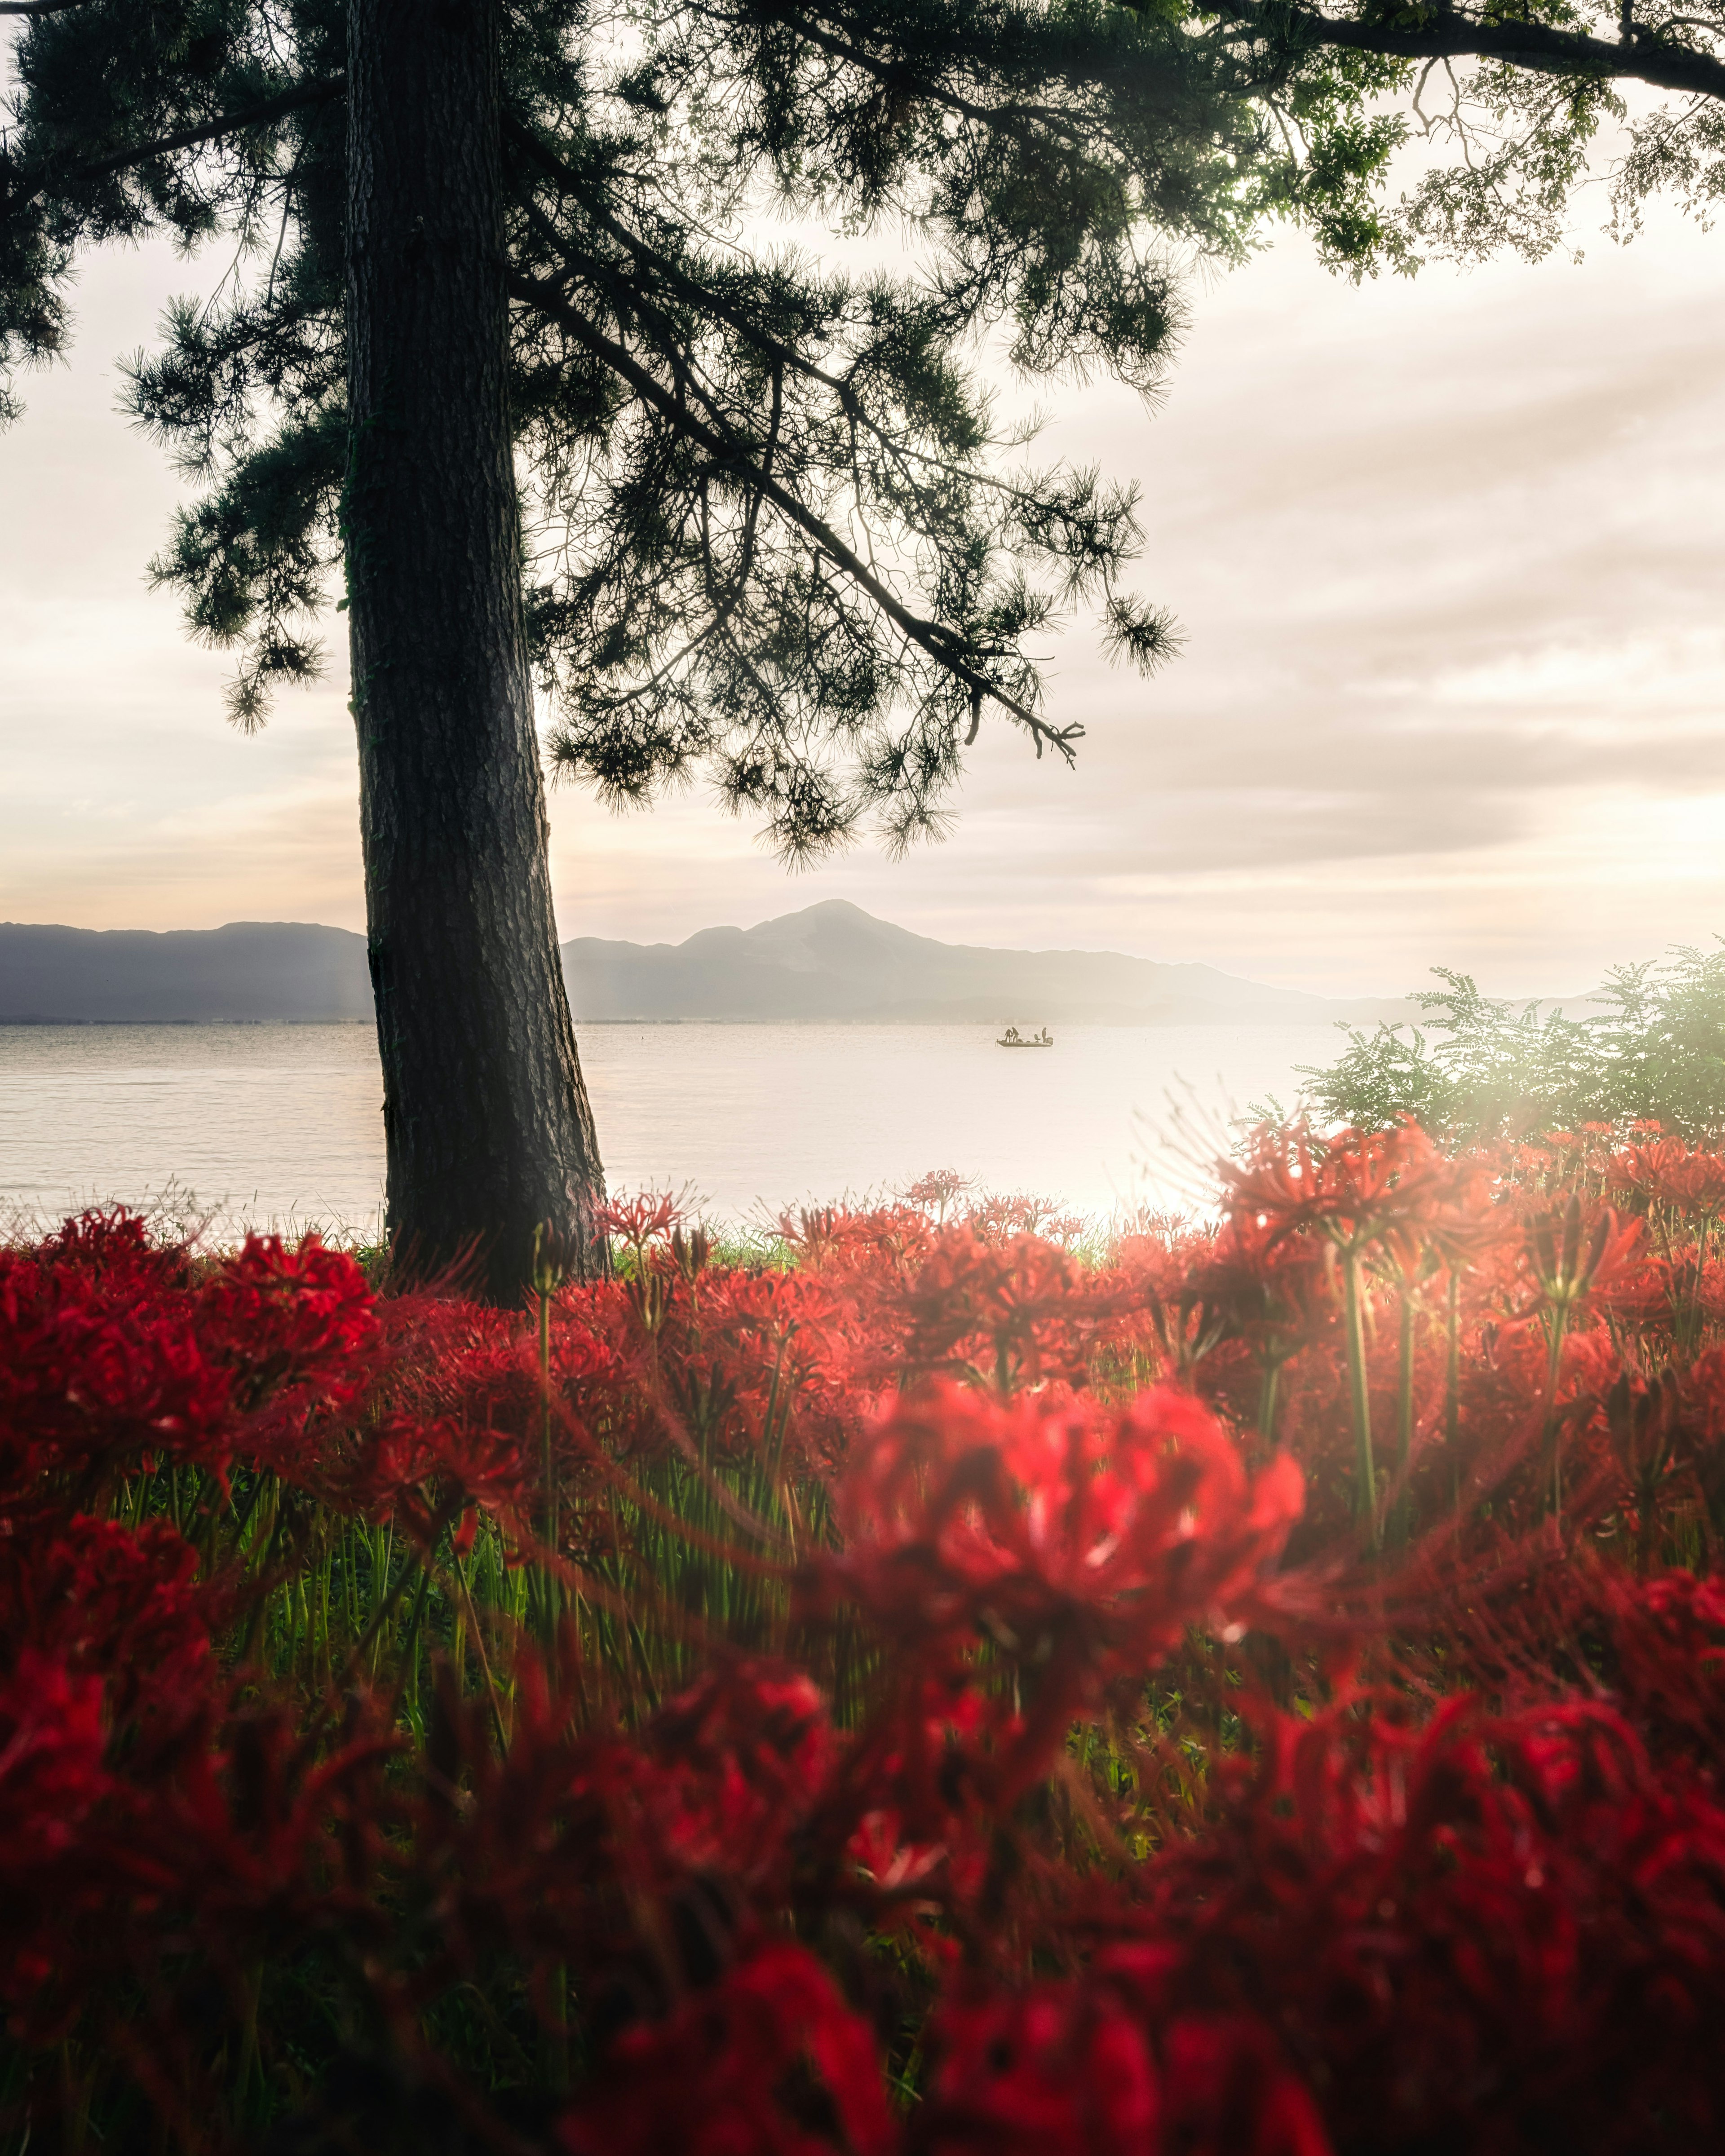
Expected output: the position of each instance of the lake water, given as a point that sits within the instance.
(279, 1126)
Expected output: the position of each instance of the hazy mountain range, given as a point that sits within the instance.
(831, 961)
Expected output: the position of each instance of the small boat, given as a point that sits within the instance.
(1011, 1038)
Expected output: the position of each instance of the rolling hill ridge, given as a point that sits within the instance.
(831, 961)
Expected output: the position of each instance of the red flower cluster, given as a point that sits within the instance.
(918, 1690)
(1503, 1933)
(769, 2061)
(113, 1353)
(1083, 2065)
(1078, 1541)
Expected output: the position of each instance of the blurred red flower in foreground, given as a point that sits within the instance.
(1076, 2066)
(1489, 1933)
(1078, 1541)
(768, 2061)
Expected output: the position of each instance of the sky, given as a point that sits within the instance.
(1447, 556)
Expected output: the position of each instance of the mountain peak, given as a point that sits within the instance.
(832, 909)
(833, 960)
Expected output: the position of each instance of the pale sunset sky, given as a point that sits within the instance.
(1449, 556)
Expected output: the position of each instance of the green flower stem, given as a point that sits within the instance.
(1365, 1502)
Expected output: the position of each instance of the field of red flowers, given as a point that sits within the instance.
(1254, 1692)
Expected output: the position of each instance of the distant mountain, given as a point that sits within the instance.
(250, 969)
(831, 961)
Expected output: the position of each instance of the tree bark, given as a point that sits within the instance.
(489, 1135)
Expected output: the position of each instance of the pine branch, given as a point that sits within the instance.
(840, 43)
(686, 287)
(300, 99)
(783, 357)
(729, 448)
(1640, 58)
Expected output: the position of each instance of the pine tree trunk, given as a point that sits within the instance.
(490, 1135)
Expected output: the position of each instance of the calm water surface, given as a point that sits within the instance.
(279, 1126)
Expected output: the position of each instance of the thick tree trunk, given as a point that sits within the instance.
(489, 1135)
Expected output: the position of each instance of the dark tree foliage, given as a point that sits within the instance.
(774, 534)
(584, 398)
(1511, 108)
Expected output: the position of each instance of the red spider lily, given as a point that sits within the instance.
(767, 2060)
(1576, 1262)
(911, 1804)
(1505, 1934)
(106, 1642)
(489, 1377)
(1355, 1189)
(1514, 1423)
(1015, 1313)
(1654, 1648)
(106, 1358)
(863, 1250)
(741, 1760)
(1002, 1219)
(1078, 1542)
(934, 1192)
(647, 1859)
(114, 1248)
(425, 1473)
(1690, 1187)
(52, 1770)
(93, 1375)
(1668, 1172)
(54, 1781)
(1700, 1438)
(648, 1217)
(1229, 2090)
(1579, 1255)
(1074, 2065)
(117, 1605)
(1389, 1190)
(1668, 1642)
(296, 1326)
(1270, 1291)
(117, 1855)
(1059, 2066)
(765, 1372)
(1646, 1426)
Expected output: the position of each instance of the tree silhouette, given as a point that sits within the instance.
(504, 357)
(1547, 96)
